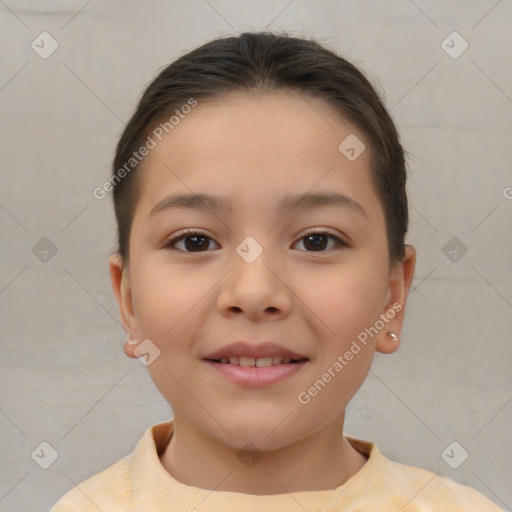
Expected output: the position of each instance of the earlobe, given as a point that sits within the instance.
(400, 280)
(129, 347)
(388, 343)
(120, 279)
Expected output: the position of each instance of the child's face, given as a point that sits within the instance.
(257, 151)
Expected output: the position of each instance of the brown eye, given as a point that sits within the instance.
(318, 241)
(192, 242)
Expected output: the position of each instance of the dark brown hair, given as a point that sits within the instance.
(266, 62)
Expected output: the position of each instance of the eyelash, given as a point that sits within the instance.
(170, 243)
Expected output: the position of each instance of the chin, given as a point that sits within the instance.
(265, 433)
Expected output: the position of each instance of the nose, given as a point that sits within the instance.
(257, 289)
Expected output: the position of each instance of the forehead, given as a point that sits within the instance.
(256, 146)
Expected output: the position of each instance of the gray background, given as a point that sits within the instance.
(63, 375)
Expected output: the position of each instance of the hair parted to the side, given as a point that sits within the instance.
(268, 62)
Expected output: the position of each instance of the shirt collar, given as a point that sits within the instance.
(153, 485)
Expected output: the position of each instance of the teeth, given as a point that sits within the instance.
(263, 361)
(259, 362)
(245, 361)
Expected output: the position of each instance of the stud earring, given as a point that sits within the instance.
(131, 342)
(392, 336)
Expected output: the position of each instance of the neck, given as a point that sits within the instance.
(324, 460)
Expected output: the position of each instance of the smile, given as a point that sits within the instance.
(256, 372)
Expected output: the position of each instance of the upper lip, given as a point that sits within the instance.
(242, 348)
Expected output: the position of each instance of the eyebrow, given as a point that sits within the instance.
(304, 201)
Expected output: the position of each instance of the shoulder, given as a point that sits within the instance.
(112, 489)
(108, 490)
(389, 485)
(430, 491)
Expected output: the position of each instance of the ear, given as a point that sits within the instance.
(400, 280)
(120, 278)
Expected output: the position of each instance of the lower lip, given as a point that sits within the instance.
(253, 376)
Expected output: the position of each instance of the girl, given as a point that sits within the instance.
(260, 197)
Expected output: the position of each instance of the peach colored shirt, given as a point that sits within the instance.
(139, 483)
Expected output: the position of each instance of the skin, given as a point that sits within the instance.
(258, 148)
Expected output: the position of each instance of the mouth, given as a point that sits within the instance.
(258, 362)
(256, 372)
(255, 365)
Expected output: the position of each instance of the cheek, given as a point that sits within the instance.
(169, 312)
(344, 300)
(347, 302)
(167, 301)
